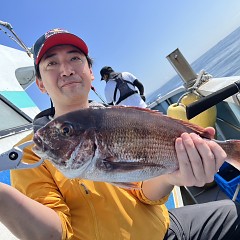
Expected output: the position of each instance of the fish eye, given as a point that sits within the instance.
(66, 129)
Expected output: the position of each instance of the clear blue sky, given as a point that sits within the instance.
(129, 35)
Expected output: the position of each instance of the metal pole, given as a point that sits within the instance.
(93, 88)
(19, 41)
(236, 192)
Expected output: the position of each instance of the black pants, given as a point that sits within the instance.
(218, 220)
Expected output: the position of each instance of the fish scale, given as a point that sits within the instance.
(138, 143)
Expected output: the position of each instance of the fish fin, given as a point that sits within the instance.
(234, 163)
(140, 109)
(127, 185)
(125, 166)
(232, 149)
(196, 128)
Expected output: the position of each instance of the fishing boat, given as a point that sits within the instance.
(221, 93)
(18, 110)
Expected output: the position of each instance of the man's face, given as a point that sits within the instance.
(65, 75)
(105, 77)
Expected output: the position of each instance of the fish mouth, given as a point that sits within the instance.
(45, 151)
(42, 149)
(40, 145)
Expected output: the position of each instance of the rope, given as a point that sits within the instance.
(202, 78)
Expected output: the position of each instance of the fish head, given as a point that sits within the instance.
(67, 144)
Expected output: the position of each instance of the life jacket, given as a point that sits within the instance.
(122, 86)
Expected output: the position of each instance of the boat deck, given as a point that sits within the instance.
(193, 195)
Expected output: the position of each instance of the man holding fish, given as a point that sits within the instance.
(92, 202)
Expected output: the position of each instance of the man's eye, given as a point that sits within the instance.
(76, 59)
(51, 63)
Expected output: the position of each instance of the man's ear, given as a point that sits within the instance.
(91, 72)
(40, 85)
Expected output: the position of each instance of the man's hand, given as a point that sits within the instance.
(199, 160)
(143, 98)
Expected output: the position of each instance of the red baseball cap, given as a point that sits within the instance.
(56, 37)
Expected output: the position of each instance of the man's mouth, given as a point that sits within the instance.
(70, 83)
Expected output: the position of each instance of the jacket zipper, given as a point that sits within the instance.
(87, 196)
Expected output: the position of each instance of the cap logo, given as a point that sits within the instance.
(54, 31)
(53, 37)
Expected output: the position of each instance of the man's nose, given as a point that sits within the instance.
(66, 69)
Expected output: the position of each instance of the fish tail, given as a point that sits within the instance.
(232, 148)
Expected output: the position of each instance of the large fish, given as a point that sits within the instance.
(118, 144)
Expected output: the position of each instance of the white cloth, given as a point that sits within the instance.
(133, 100)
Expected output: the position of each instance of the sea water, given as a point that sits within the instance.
(222, 60)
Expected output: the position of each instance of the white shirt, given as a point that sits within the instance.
(133, 100)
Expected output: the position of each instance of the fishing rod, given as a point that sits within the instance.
(17, 40)
(93, 88)
(203, 104)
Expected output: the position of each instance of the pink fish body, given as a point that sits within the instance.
(118, 144)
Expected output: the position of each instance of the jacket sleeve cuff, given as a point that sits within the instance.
(140, 195)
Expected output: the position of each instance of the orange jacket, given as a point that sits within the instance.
(92, 210)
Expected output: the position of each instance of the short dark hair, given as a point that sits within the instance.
(37, 71)
(106, 71)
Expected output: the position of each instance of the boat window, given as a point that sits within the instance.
(228, 120)
(12, 118)
(161, 107)
(236, 111)
(175, 98)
